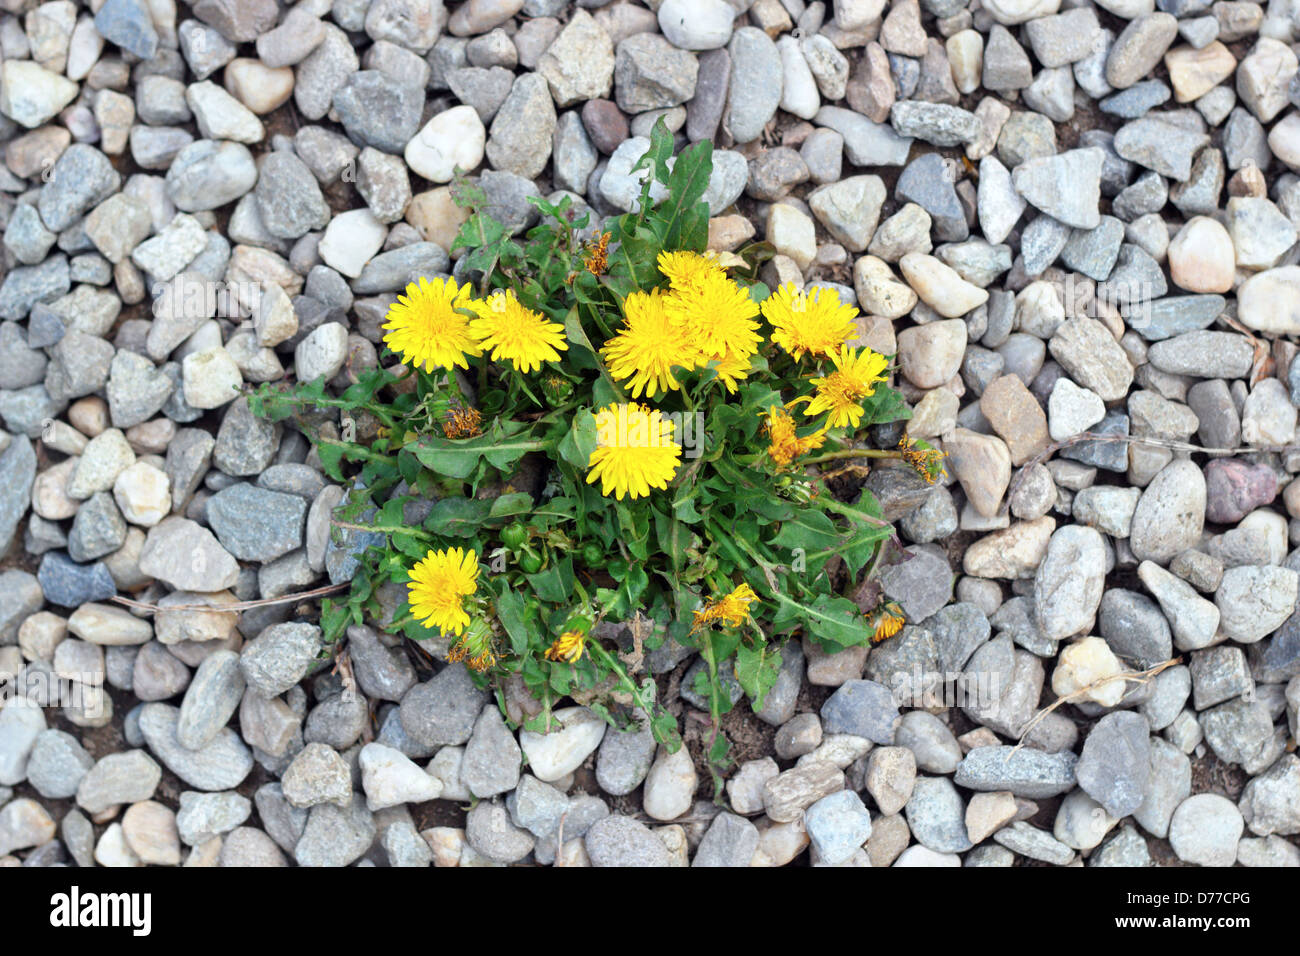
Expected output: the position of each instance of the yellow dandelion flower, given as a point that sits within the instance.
(731, 609)
(567, 647)
(786, 446)
(730, 368)
(855, 377)
(719, 315)
(515, 332)
(634, 452)
(440, 582)
(684, 269)
(474, 647)
(816, 323)
(648, 346)
(427, 328)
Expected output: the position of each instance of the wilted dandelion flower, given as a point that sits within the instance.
(785, 445)
(567, 647)
(802, 322)
(474, 647)
(462, 422)
(885, 620)
(732, 609)
(439, 584)
(839, 393)
(515, 332)
(426, 328)
(649, 346)
(634, 452)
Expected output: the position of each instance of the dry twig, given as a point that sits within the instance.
(1137, 677)
(238, 605)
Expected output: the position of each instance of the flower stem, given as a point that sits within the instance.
(851, 453)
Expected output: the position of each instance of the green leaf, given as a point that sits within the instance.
(576, 446)
(509, 505)
(757, 669)
(457, 517)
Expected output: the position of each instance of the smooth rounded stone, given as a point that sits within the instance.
(982, 464)
(1091, 356)
(936, 816)
(1267, 301)
(289, 200)
(1171, 513)
(618, 840)
(1016, 417)
(890, 777)
(112, 850)
(1272, 851)
(1269, 802)
(1081, 822)
(1072, 410)
(211, 700)
(1134, 628)
(537, 807)
(730, 841)
(209, 173)
(624, 759)
(1115, 764)
(157, 674)
(1204, 354)
(965, 50)
(56, 764)
(1026, 772)
(1138, 100)
(1172, 688)
(862, 708)
(1086, 669)
(1066, 186)
(250, 847)
(837, 825)
(788, 794)
(336, 836)
(745, 788)
(918, 855)
(934, 520)
(756, 83)
(1254, 601)
(390, 778)
(999, 204)
(1261, 233)
(1107, 508)
(1234, 488)
(379, 110)
(382, 673)
(1193, 620)
(149, 829)
(696, 26)
(1241, 732)
(670, 785)
(125, 777)
(932, 743)
(1171, 783)
(490, 764)
(1138, 49)
(1160, 146)
(20, 728)
(986, 813)
(1260, 77)
(203, 816)
(1201, 259)
(1205, 829)
(108, 625)
(221, 764)
(866, 143)
(1036, 844)
(792, 234)
(1194, 72)
(280, 656)
(650, 73)
(490, 832)
(318, 774)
